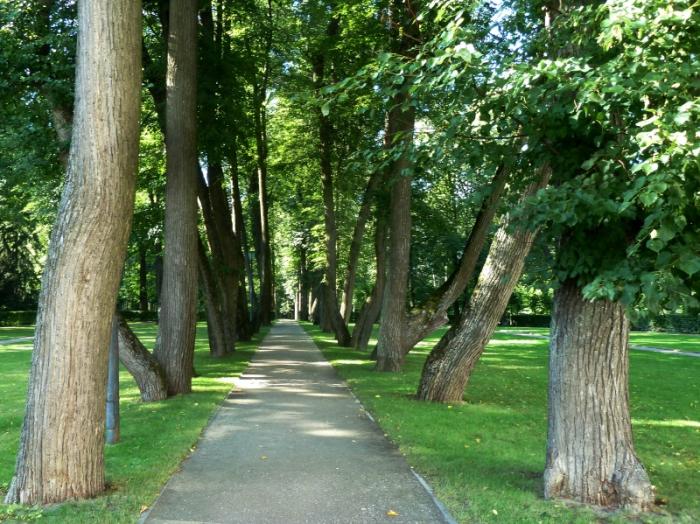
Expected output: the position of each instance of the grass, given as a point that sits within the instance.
(155, 437)
(683, 342)
(485, 457)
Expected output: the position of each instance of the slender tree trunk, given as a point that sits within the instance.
(143, 279)
(218, 346)
(451, 362)
(61, 450)
(371, 310)
(175, 348)
(356, 244)
(432, 313)
(590, 453)
(254, 210)
(145, 369)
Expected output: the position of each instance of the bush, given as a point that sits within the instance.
(526, 320)
(17, 318)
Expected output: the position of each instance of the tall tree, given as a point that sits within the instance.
(61, 448)
(175, 348)
(401, 126)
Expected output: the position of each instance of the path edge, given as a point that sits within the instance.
(449, 519)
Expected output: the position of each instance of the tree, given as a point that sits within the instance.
(401, 121)
(175, 348)
(86, 254)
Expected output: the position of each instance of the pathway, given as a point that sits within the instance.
(292, 445)
(632, 346)
(15, 340)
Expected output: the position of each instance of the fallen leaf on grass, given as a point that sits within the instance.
(392, 513)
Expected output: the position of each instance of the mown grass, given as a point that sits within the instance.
(485, 457)
(155, 437)
(684, 342)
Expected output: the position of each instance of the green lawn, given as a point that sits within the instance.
(16, 332)
(155, 436)
(680, 341)
(485, 457)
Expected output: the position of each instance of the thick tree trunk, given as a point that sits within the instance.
(371, 310)
(390, 348)
(451, 362)
(590, 453)
(61, 451)
(432, 313)
(401, 122)
(218, 343)
(143, 279)
(175, 348)
(356, 245)
(141, 364)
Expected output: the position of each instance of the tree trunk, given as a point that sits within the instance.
(590, 453)
(451, 362)
(215, 319)
(401, 122)
(141, 364)
(61, 450)
(432, 314)
(175, 348)
(303, 284)
(390, 348)
(356, 245)
(371, 310)
(143, 279)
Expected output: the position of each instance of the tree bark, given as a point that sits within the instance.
(175, 348)
(450, 364)
(61, 451)
(590, 452)
(145, 369)
(401, 125)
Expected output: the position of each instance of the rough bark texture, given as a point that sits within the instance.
(400, 126)
(432, 313)
(61, 445)
(141, 364)
(390, 348)
(175, 347)
(590, 453)
(450, 363)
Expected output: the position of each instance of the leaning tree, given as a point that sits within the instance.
(61, 448)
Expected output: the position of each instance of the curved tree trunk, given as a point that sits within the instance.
(140, 363)
(451, 362)
(590, 453)
(175, 348)
(61, 451)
